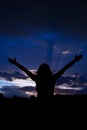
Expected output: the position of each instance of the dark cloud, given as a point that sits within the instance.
(71, 91)
(28, 88)
(10, 76)
(73, 85)
(10, 91)
(22, 18)
(75, 78)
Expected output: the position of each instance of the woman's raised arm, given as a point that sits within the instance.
(67, 66)
(30, 74)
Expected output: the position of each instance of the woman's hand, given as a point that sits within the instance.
(78, 57)
(13, 61)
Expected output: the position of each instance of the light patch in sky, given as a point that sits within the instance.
(66, 52)
(67, 87)
(5, 83)
(17, 82)
(23, 83)
(31, 93)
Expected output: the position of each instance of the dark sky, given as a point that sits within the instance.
(22, 17)
(43, 31)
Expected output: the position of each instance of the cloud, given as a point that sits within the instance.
(10, 76)
(28, 88)
(17, 82)
(72, 80)
(18, 87)
(10, 91)
(71, 85)
(22, 83)
(66, 52)
(65, 85)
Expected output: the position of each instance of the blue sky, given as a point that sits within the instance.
(44, 31)
(36, 32)
(33, 50)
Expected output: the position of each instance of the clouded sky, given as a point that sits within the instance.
(43, 31)
(37, 31)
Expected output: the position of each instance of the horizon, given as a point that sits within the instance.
(25, 87)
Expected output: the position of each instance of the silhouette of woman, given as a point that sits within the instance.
(45, 79)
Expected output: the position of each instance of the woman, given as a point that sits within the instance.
(45, 79)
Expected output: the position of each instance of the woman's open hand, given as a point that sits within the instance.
(13, 61)
(78, 57)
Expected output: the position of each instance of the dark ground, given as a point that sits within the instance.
(42, 112)
(57, 102)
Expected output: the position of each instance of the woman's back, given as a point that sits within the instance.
(44, 82)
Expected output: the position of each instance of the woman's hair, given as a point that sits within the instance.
(44, 69)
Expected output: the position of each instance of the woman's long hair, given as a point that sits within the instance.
(44, 70)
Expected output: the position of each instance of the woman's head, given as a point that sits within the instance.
(44, 69)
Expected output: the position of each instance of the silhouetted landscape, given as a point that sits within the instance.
(34, 105)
